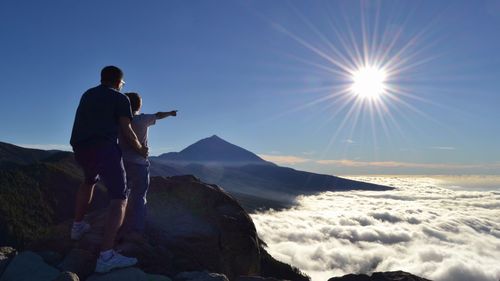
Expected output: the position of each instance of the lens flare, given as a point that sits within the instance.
(369, 72)
(369, 82)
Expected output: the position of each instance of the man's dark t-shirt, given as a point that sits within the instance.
(96, 120)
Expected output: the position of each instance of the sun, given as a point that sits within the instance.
(369, 82)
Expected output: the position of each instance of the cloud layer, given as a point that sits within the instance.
(383, 167)
(420, 227)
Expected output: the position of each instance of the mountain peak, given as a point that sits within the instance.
(214, 149)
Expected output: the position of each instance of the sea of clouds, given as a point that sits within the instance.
(420, 227)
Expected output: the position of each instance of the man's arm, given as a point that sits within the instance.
(131, 138)
(161, 115)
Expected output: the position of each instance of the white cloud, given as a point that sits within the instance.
(284, 159)
(347, 166)
(420, 227)
(396, 164)
(443, 147)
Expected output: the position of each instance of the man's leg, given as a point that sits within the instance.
(86, 159)
(83, 199)
(116, 213)
(113, 175)
(108, 258)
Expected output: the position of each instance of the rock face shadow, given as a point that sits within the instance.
(192, 226)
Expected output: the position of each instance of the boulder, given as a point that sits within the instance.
(200, 276)
(79, 261)
(256, 278)
(50, 257)
(202, 226)
(380, 276)
(28, 266)
(126, 274)
(192, 226)
(157, 277)
(67, 276)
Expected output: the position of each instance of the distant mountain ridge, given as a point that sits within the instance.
(214, 150)
(238, 170)
(15, 155)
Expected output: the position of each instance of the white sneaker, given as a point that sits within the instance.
(78, 231)
(115, 261)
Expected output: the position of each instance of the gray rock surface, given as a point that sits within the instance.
(79, 261)
(127, 274)
(50, 257)
(256, 278)
(192, 226)
(380, 276)
(204, 227)
(28, 266)
(200, 276)
(67, 276)
(157, 277)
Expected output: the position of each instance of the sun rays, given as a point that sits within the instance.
(368, 82)
(369, 66)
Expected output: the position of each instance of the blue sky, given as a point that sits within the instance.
(245, 70)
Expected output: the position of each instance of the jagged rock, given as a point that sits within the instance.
(157, 277)
(200, 276)
(204, 227)
(67, 276)
(380, 276)
(271, 267)
(28, 266)
(352, 277)
(50, 257)
(192, 226)
(256, 278)
(79, 261)
(6, 255)
(126, 274)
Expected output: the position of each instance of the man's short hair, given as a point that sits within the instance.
(111, 74)
(135, 101)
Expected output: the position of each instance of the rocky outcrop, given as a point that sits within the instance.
(200, 276)
(28, 266)
(380, 276)
(67, 276)
(203, 226)
(192, 227)
(125, 274)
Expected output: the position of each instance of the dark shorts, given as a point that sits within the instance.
(104, 162)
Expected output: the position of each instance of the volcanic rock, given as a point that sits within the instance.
(28, 266)
(380, 276)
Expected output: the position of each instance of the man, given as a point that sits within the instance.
(103, 112)
(137, 167)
